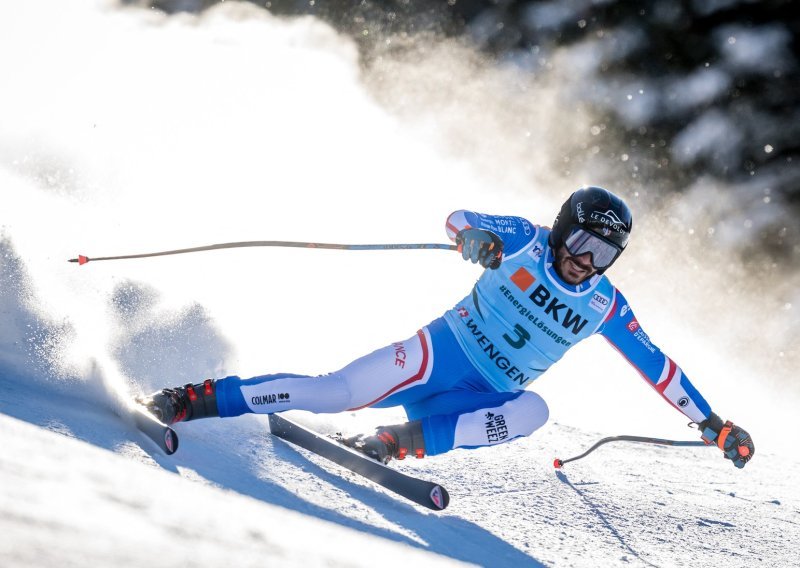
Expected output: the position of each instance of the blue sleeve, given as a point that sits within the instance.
(515, 232)
(625, 334)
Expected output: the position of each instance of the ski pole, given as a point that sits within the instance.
(82, 259)
(557, 463)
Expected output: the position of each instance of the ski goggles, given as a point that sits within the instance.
(581, 241)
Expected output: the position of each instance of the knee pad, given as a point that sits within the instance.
(528, 414)
(518, 417)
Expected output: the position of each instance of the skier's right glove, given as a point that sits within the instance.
(480, 246)
(735, 443)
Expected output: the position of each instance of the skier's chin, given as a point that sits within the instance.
(575, 280)
(573, 272)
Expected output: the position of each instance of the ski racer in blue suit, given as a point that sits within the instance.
(463, 379)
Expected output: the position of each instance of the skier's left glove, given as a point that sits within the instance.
(735, 443)
(480, 246)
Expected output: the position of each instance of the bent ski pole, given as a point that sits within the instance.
(398, 246)
(557, 463)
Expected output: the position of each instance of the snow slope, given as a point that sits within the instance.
(124, 131)
(71, 504)
(80, 487)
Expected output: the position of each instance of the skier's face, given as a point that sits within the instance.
(574, 269)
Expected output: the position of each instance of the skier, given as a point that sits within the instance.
(462, 378)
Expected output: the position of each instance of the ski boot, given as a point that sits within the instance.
(180, 404)
(391, 442)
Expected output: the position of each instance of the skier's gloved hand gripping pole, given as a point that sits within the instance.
(480, 246)
(735, 443)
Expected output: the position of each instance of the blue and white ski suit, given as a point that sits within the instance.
(464, 375)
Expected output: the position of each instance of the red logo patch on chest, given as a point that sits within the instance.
(523, 279)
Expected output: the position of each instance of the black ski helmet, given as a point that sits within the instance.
(597, 210)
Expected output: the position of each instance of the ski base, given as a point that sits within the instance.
(421, 492)
(162, 435)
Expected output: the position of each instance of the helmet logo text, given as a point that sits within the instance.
(579, 211)
(609, 219)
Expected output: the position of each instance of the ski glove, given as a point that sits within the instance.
(735, 443)
(480, 247)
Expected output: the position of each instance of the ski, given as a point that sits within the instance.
(421, 492)
(161, 434)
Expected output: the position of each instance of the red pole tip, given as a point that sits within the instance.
(82, 259)
(557, 463)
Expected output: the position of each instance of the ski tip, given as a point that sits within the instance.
(440, 497)
(557, 463)
(170, 441)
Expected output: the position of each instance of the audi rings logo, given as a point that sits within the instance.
(683, 401)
